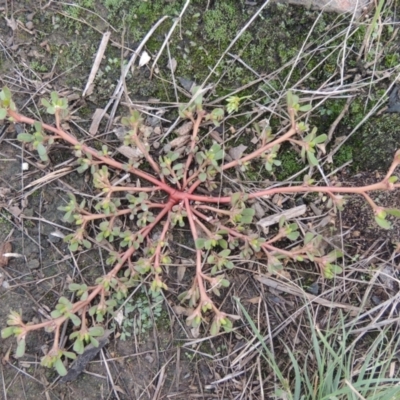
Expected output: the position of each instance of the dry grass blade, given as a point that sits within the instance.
(297, 291)
(48, 178)
(96, 64)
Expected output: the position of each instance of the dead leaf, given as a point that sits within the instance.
(184, 129)
(254, 300)
(4, 249)
(181, 272)
(179, 310)
(4, 191)
(215, 135)
(289, 214)
(149, 358)
(259, 209)
(277, 199)
(12, 23)
(129, 152)
(6, 357)
(236, 152)
(119, 317)
(172, 64)
(179, 141)
(119, 389)
(284, 274)
(14, 210)
(96, 119)
(144, 59)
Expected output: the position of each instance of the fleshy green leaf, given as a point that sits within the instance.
(60, 368)
(202, 177)
(25, 137)
(79, 346)
(20, 349)
(305, 108)
(200, 243)
(214, 328)
(320, 139)
(312, 159)
(7, 332)
(393, 211)
(382, 223)
(96, 331)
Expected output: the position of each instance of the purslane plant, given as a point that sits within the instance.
(169, 194)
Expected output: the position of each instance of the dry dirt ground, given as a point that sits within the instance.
(165, 362)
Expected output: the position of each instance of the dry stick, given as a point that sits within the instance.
(97, 61)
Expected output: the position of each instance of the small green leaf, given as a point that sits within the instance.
(320, 139)
(20, 349)
(87, 244)
(308, 237)
(382, 223)
(224, 253)
(312, 159)
(293, 235)
(25, 137)
(79, 346)
(202, 177)
(41, 149)
(60, 368)
(74, 286)
(214, 328)
(3, 113)
(96, 331)
(200, 243)
(55, 314)
(7, 332)
(70, 355)
(54, 97)
(75, 319)
(393, 211)
(305, 108)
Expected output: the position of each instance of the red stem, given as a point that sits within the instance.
(199, 266)
(196, 127)
(82, 303)
(105, 159)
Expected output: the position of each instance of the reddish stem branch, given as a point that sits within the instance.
(160, 244)
(57, 322)
(291, 132)
(196, 127)
(383, 185)
(105, 159)
(199, 265)
(132, 189)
